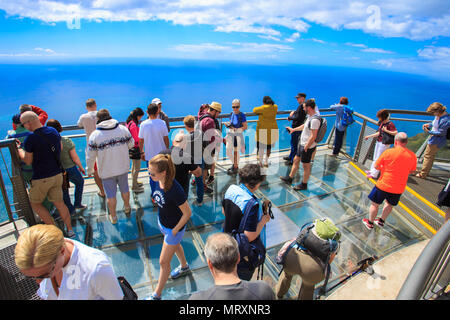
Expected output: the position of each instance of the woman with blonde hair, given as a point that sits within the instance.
(438, 131)
(65, 269)
(173, 214)
(266, 129)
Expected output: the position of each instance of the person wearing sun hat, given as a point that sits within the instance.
(211, 132)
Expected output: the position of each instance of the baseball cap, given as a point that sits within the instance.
(156, 101)
(300, 94)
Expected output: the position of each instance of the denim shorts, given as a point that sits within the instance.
(168, 236)
(378, 196)
(110, 185)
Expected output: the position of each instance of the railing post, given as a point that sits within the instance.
(360, 139)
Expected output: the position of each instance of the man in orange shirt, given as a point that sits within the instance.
(395, 165)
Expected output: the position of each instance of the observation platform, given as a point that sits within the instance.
(336, 190)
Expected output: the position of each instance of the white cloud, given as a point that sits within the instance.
(318, 40)
(37, 52)
(200, 47)
(377, 50)
(234, 47)
(432, 52)
(357, 45)
(269, 37)
(384, 62)
(294, 37)
(50, 51)
(412, 19)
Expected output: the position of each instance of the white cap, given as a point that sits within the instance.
(156, 101)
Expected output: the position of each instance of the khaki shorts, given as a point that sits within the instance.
(50, 187)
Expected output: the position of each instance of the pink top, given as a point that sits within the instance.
(134, 130)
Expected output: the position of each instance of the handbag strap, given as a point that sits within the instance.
(53, 148)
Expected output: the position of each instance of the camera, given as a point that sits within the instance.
(267, 208)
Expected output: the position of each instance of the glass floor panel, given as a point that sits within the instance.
(334, 190)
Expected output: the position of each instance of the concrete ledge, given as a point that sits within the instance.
(386, 282)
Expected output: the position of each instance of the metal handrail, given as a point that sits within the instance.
(429, 267)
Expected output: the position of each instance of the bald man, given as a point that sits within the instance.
(395, 165)
(42, 148)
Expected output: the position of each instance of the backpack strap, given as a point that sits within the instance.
(248, 208)
(315, 117)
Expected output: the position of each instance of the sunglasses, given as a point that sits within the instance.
(47, 275)
(235, 107)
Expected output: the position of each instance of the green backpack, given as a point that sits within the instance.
(326, 229)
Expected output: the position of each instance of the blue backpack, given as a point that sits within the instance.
(347, 117)
(253, 252)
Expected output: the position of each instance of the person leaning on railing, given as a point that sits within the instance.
(438, 131)
(385, 137)
(72, 165)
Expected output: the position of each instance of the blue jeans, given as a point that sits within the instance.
(77, 179)
(294, 144)
(338, 140)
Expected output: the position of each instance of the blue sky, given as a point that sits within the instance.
(404, 35)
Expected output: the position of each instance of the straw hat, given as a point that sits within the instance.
(216, 106)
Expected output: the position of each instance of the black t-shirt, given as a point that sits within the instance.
(181, 169)
(44, 160)
(168, 203)
(244, 290)
(299, 117)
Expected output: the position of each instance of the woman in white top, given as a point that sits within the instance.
(65, 269)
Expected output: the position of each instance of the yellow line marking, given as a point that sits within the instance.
(428, 203)
(426, 225)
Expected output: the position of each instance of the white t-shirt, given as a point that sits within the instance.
(153, 133)
(88, 121)
(306, 133)
(88, 276)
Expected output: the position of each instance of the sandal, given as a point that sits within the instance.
(420, 176)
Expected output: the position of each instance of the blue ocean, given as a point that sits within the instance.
(120, 86)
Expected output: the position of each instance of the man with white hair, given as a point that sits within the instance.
(395, 165)
(161, 114)
(42, 150)
(222, 257)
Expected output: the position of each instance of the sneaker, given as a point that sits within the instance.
(210, 180)
(127, 210)
(301, 186)
(379, 222)
(286, 179)
(71, 234)
(154, 296)
(81, 207)
(287, 158)
(367, 171)
(232, 170)
(112, 219)
(179, 272)
(208, 190)
(368, 224)
(369, 176)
